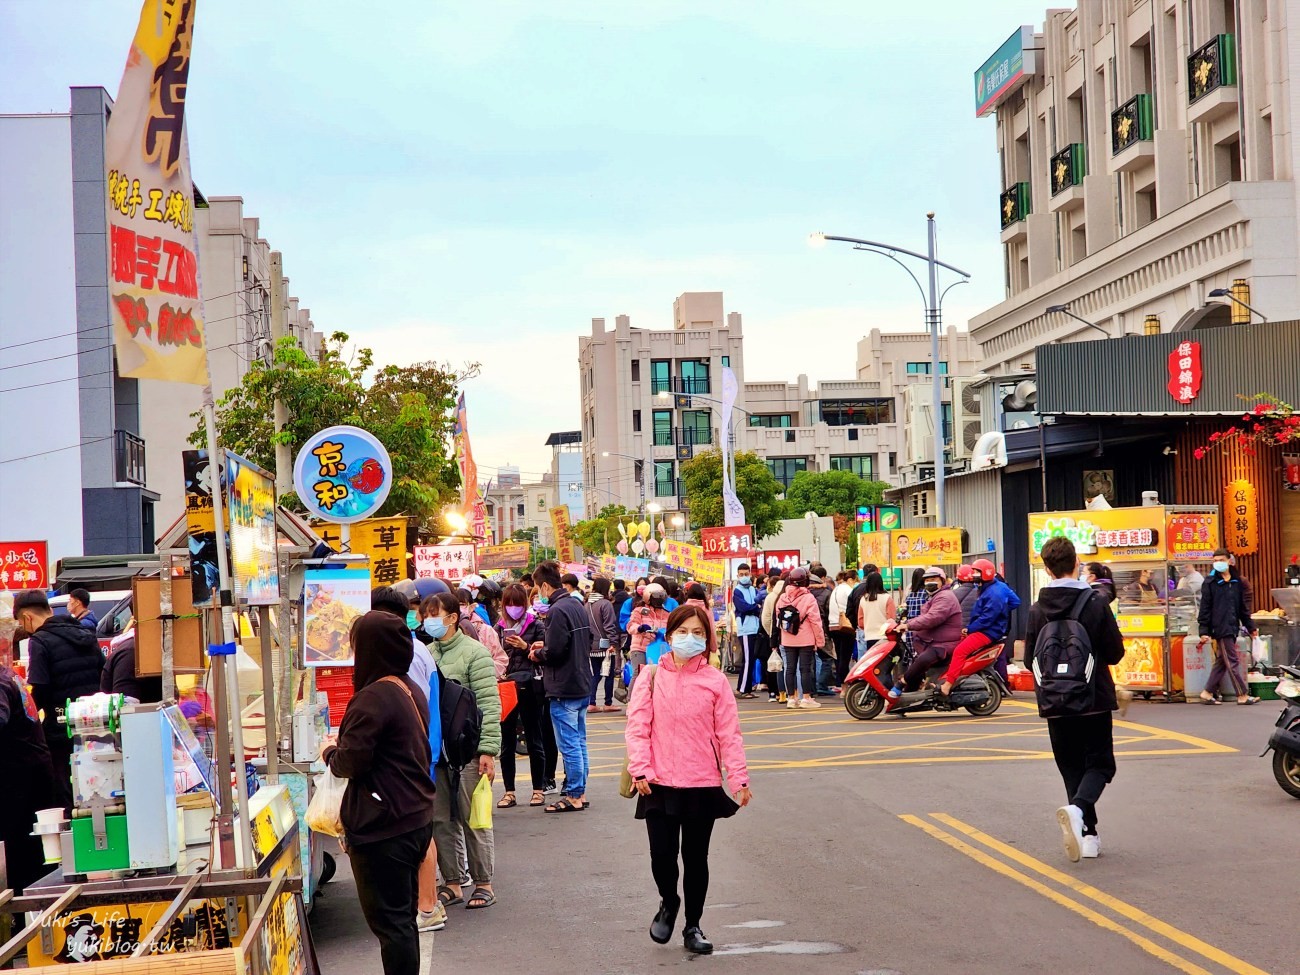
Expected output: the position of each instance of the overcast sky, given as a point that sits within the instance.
(478, 181)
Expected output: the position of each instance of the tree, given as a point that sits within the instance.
(832, 493)
(596, 535)
(537, 553)
(757, 489)
(408, 408)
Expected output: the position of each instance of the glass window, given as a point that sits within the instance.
(947, 423)
(770, 420)
(943, 368)
(665, 486)
(660, 375)
(856, 412)
(663, 431)
(697, 427)
(636, 421)
(636, 370)
(726, 362)
(853, 433)
(862, 465)
(918, 368)
(785, 468)
(695, 376)
(519, 509)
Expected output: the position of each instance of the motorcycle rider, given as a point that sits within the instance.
(990, 619)
(935, 632)
(966, 592)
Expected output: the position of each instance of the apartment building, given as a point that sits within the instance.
(1148, 163)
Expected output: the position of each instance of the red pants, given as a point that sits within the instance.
(968, 645)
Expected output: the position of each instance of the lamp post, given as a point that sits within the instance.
(1225, 293)
(640, 469)
(1065, 310)
(933, 301)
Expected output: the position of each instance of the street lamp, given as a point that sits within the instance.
(640, 468)
(933, 307)
(1225, 293)
(1065, 310)
(679, 524)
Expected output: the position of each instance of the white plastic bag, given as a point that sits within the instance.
(324, 812)
(774, 663)
(1259, 651)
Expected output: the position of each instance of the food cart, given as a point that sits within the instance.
(1154, 553)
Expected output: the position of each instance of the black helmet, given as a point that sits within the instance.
(488, 591)
(797, 577)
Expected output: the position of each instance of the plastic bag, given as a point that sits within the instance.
(324, 812)
(480, 805)
(774, 663)
(656, 650)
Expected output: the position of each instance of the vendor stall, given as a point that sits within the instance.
(1153, 553)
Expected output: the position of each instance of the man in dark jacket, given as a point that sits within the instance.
(821, 592)
(1225, 609)
(1082, 744)
(383, 751)
(28, 781)
(64, 663)
(566, 679)
(119, 676)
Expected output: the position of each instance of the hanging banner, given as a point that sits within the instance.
(343, 474)
(450, 563)
(1185, 371)
(333, 599)
(626, 567)
(710, 572)
(201, 525)
(873, 549)
(155, 301)
(1241, 517)
(925, 546)
(24, 565)
(471, 499)
(510, 555)
(733, 512)
(254, 556)
(563, 540)
(732, 542)
(1112, 535)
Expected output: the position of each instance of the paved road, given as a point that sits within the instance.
(908, 846)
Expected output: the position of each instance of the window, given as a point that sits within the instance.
(789, 436)
(665, 486)
(853, 433)
(697, 427)
(893, 461)
(857, 412)
(923, 369)
(695, 376)
(519, 509)
(726, 362)
(663, 430)
(785, 468)
(862, 465)
(947, 423)
(770, 420)
(636, 421)
(636, 370)
(660, 376)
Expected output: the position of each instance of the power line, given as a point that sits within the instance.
(56, 450)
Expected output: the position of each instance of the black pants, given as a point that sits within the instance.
(550, 750)
(1085, 755)
(749, 654)
(845, 642)
(668, 834)
(530, 712)
(387, 876)
(922, 662)
(802, 660)
(61, 759)
(597, 664)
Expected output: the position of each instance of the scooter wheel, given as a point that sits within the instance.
(1286, 769)
(862, 702)
(992, 704)
(328, 866)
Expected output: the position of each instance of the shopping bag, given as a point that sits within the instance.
(774, 663)
(627, 674)
(1259, 652)
(626, 788)
(509, 691)
(656, 650)
(480, 805)
(324, 812)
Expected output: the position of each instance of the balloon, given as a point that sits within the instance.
(621, 546)
(652, 546)
(638, 546)
(643, 528)
(622, 529)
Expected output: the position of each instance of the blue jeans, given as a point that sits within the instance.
(569, 715)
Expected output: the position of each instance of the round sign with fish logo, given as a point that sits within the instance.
(343, 474)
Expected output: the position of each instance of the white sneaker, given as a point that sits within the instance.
(792, 705)
(810, 704)
(434, 920)
(1091, 847)
(1071, 820)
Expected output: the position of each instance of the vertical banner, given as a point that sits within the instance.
(157, 310)
(255, 557)
(563, 540)
(733, 512)
(383, 541)
(201, 524)
(475, 509)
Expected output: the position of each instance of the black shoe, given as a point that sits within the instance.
(661, 928)
(696, 943)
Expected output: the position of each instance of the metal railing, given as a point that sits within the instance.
(1211, 66)
(129, 459)
(1131, 123)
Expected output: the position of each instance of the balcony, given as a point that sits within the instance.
(693, 436)
(658, 386)
(691, 386)
(668, 488)
(1132, 129)
(128, 458)
(1014, 206)
(1212, 80)
(1067, 169)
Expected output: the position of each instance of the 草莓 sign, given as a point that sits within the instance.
(1005, 71)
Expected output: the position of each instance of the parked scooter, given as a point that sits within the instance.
(1285, 740)
(979, 689)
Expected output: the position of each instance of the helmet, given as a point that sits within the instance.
(984, 570)
(965, 573)
(472, 582)
(406, 589)
(797, 577)
(934, 572)
(430, 587)
(488, 591)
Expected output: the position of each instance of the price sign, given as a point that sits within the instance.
(735, 542)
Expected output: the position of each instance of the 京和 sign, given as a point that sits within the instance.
(343, 474)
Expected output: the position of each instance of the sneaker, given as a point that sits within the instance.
(434, 920)
(1071, 821)
(1090, 848)
(551, 787)
(809, 704)
(895, 692)
(771, 699)
(1124, 697)
(791, 704)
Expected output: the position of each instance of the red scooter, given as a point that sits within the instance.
(979, 689)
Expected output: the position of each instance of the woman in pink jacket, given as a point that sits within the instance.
(683, 731)
(799, 619)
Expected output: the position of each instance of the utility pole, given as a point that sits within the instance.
(283, 457)
(933, 314)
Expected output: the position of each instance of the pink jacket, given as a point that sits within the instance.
(810, 632)
(656, 619)
(679, 733)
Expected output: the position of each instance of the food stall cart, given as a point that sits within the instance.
(1147, 549)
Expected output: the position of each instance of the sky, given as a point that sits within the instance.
(476, 182)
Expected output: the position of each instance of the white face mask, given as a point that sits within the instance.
(689, 644)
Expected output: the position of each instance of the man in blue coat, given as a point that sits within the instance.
(990, 619)
(748, 605)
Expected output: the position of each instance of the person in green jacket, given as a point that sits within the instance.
(469, 663)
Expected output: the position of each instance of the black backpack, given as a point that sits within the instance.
(1065, 666)
(788, 617)
(462, 723)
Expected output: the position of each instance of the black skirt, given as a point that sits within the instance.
(708, 802)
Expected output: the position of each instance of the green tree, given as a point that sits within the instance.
(757, 489)
(410, 409)
(537, 553)
(597, 535)
(832, 493)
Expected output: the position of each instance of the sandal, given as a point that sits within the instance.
(447, 898)
(481, 899)
(1251, 700)
(1209, 699)
(507, 801)
(565, 805)
(539, 799)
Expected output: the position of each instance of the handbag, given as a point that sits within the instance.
(844, 623)
(509, 692)
(626, 785)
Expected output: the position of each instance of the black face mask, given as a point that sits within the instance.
(932, 587)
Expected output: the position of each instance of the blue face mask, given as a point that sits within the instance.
(1220, 566)
(412, 620)
(435, 627)
(689, 645)
(743, 581)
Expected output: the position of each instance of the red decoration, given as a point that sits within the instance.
(1185, 371)
(23, 565)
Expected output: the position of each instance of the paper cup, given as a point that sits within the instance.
(47, 816)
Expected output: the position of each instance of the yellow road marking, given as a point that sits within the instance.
(1101, 920)
(1191, 942)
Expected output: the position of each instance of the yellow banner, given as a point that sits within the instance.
(924, 546)
(873, 549)
(509, 555)
(1110, 535)
(708, 571)
(382, 540)
(153, 255)
(563, 541)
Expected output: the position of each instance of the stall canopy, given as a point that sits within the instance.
(107, 571)
(290, 526)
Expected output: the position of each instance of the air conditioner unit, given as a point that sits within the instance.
(918, 425)
(966, 418)
(923, 504)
